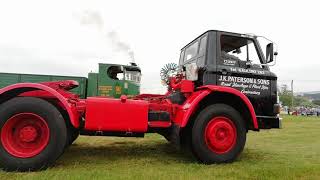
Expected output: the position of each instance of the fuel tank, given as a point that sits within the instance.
(109, 114)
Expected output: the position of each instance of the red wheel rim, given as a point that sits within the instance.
(220, 135)
(25, 135)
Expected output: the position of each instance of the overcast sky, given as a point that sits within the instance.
(71, 37)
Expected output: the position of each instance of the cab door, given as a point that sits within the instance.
(239, 65)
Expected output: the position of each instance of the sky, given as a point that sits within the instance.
(72, 37)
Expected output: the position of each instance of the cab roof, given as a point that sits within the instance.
(237, 34)
(127, 67)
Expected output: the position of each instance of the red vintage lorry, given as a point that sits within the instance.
(221, 89)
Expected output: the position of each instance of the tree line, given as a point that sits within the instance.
(289, 99)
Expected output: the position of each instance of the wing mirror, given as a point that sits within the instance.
(270, 53)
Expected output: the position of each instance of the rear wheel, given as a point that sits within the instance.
(218, 134)
(33, 134)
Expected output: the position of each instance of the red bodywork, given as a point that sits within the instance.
(108, 114)
(125, 115)
(56, 91)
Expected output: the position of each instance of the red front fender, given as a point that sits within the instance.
(25, 87)
(191, 105)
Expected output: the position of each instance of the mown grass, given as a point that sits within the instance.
(290, 153)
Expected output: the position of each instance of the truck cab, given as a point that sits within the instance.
(237, 61)
(114, 80)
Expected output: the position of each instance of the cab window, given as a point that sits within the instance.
(115, 72)
(191, 51)
(239, 51)
(181, 56)
(134, 76)
(203, 43)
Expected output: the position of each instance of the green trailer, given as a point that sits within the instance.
(112, 80)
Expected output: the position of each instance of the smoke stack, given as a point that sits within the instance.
(131, 54)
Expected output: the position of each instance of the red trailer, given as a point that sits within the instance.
(39, 120)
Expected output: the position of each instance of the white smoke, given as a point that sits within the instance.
(91, 18)
(119, 45)
(95, 19)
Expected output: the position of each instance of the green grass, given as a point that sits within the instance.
(289, 153)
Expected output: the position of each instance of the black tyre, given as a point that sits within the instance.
(33, 134)
(218, 134)
(72, 133)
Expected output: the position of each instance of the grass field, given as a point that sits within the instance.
(289, 153)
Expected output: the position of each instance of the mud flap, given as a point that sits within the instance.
(175, 136)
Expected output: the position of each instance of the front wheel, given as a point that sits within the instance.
(218, 134)
(33, 134)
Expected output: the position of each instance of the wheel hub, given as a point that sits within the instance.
(220, 135)
(25, 135)
(28, 134)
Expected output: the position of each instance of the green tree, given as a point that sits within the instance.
(302, 101)
(316, 102)
(285, 96)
